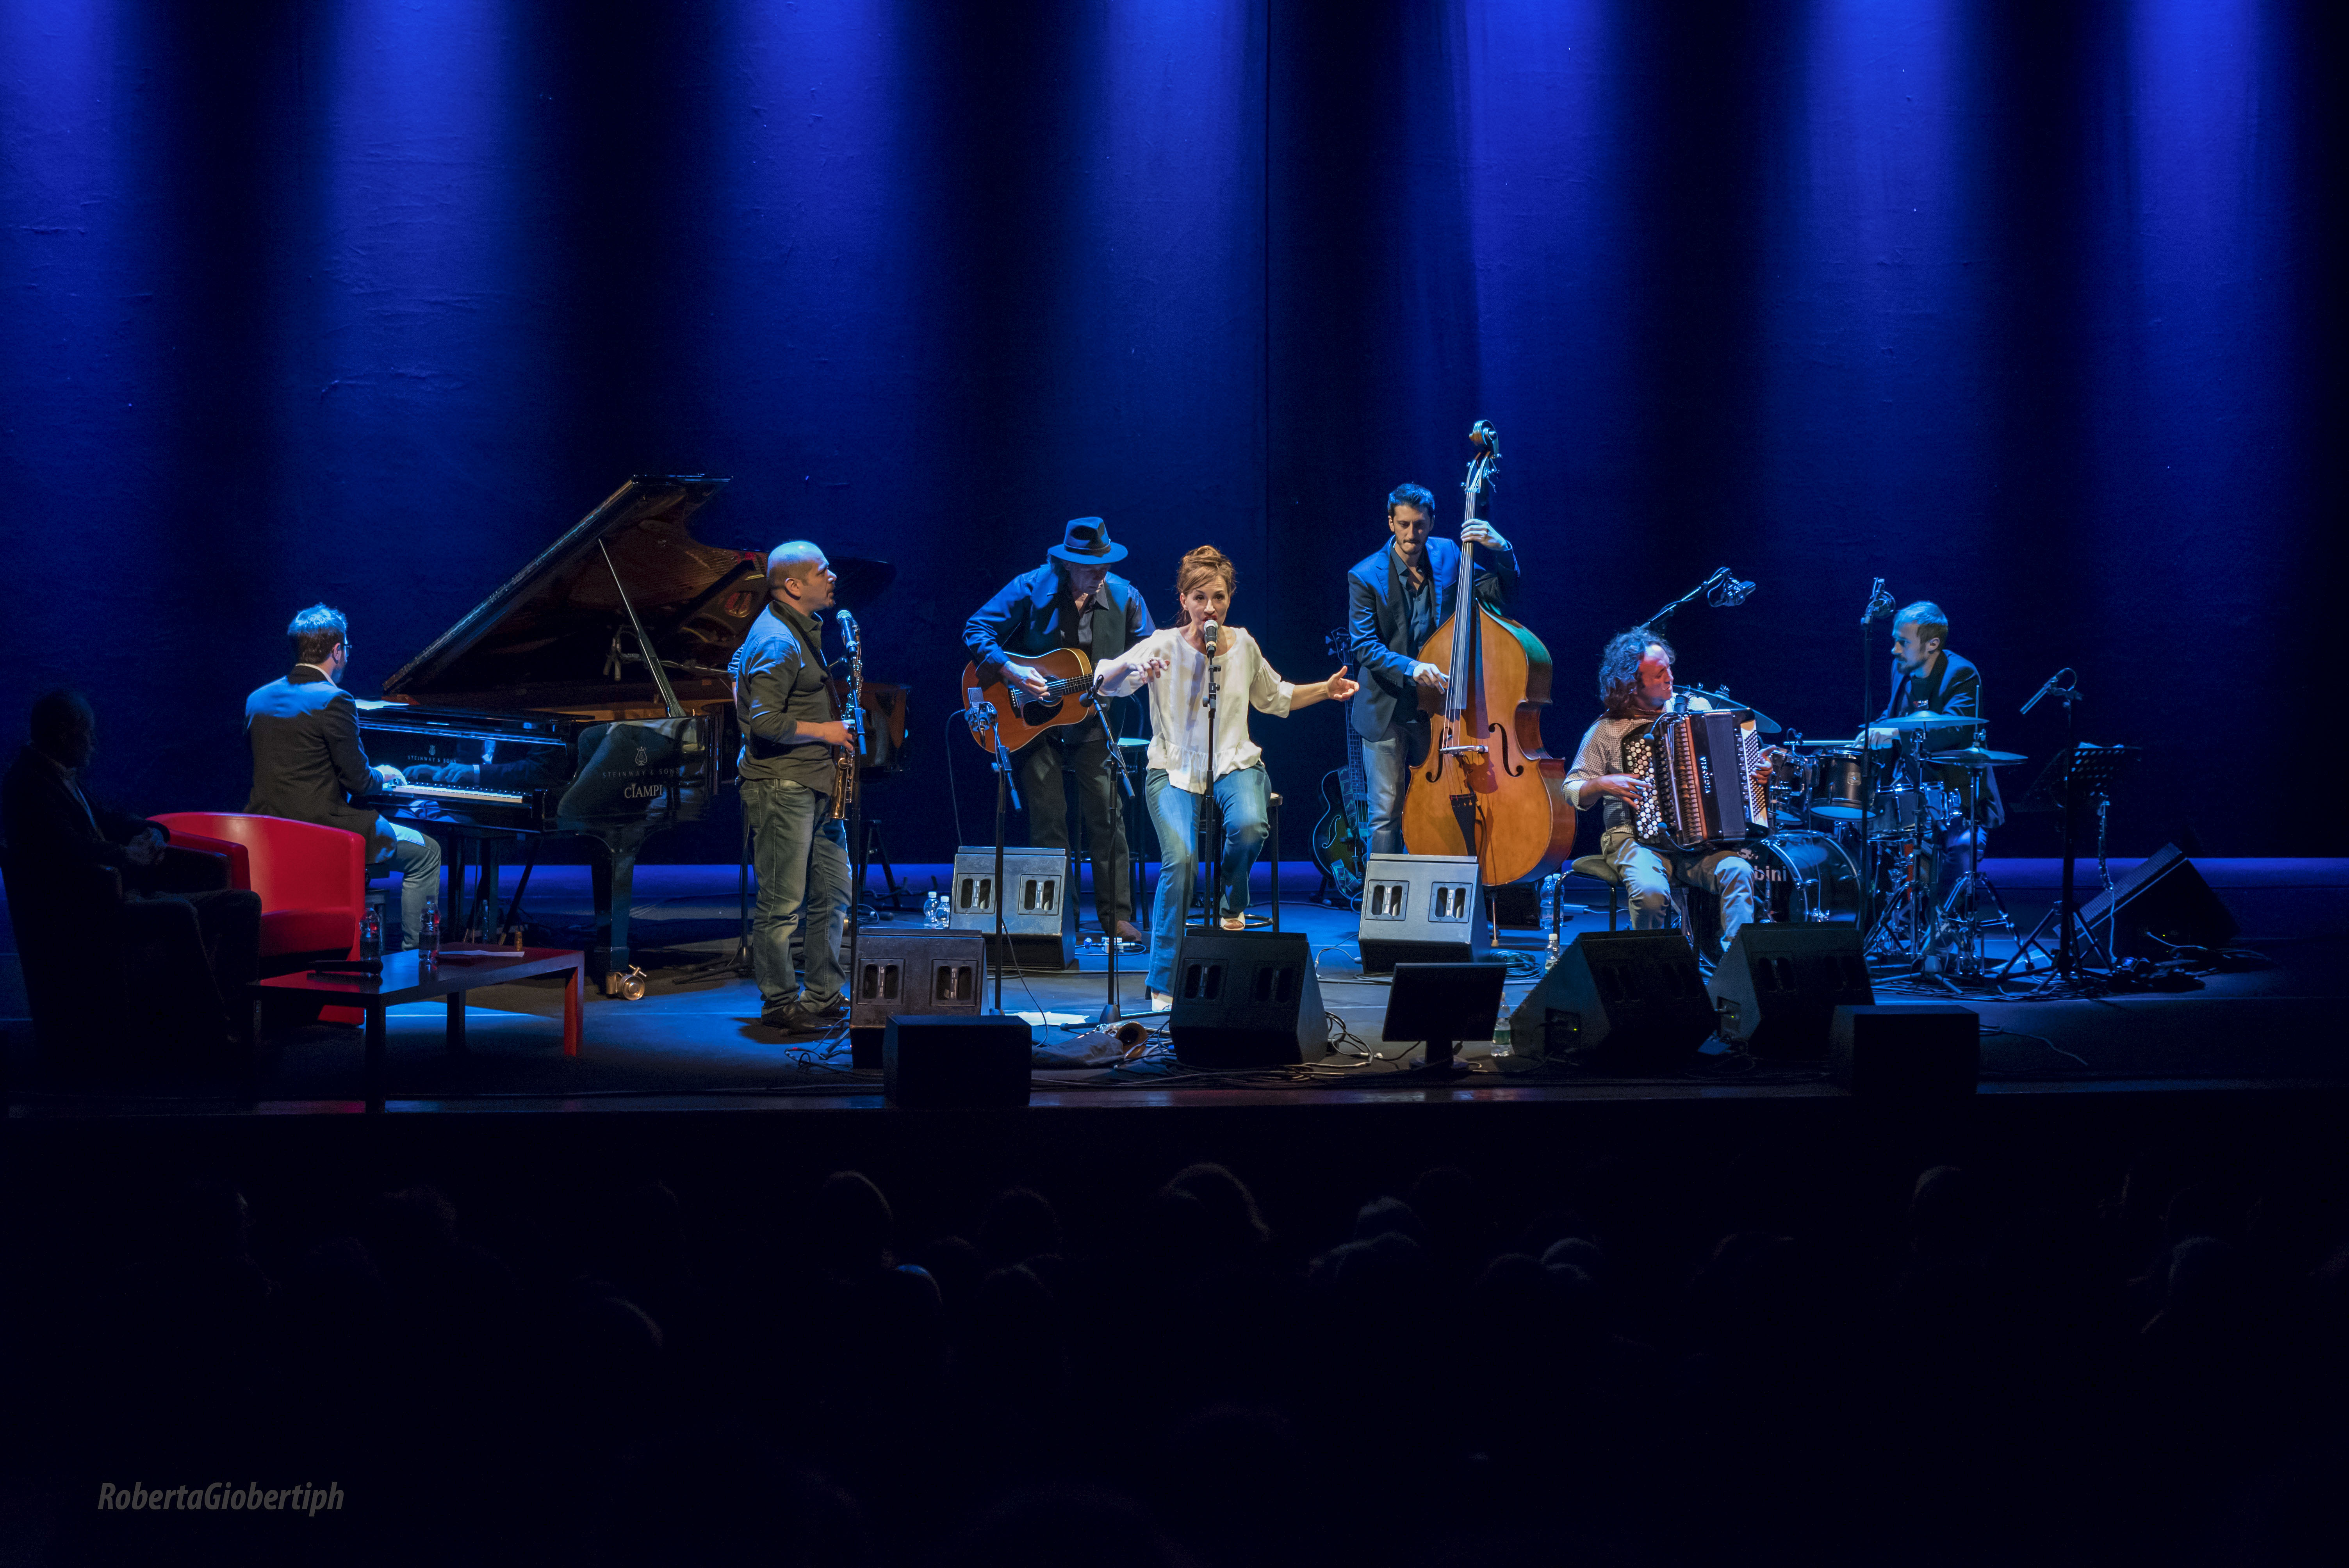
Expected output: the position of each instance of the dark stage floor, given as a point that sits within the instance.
(695, 1040)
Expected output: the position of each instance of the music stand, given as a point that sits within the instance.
(2076, 776)
(1444, 1004)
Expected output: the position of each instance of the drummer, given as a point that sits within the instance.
(1635, 683)
(1927, 677)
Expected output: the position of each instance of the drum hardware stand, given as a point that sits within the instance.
(1970, 890)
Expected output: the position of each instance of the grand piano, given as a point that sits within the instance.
(590, 692)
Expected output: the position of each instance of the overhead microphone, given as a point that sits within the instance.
(1728, 591)
(2058, 682)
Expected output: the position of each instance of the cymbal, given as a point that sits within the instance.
(1928, 721)
(1976, 757)
(860, 581)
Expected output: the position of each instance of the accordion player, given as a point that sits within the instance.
(1704, 781)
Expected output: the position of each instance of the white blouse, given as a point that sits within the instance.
(1178, 713)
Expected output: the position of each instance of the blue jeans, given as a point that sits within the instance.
(417, 857)
(1384, 764)
(802, 864)
(1243, 797)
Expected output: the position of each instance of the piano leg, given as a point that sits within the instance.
(615, 876)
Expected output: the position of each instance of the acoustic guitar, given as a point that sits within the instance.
(1068, 686)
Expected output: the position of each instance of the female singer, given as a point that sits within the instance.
(1186, 760)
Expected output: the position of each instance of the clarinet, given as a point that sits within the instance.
(846, 765)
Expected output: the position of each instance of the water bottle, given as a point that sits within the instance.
(370, 933)
(930, 911)
(428, 937)
(1549, 887)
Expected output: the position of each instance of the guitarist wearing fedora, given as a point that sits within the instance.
(1072, 601)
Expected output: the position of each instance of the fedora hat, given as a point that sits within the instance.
(1086, 542)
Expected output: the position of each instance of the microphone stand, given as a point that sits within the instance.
(1214, 864)
(1656, 620)
(980, 715)
(1109, 1013)
(1879, 604)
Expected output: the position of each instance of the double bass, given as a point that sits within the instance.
(1487, 788)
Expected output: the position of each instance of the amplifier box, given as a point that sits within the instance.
(1420, 909)
(1905, 1053)
(1246, 999)
(1626, 999)
(1040, 917)
(982, 1061)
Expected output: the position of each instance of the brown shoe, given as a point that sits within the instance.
(1129, 932)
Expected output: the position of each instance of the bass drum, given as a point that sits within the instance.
(1803, 879)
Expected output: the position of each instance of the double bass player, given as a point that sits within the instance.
(1395, 599)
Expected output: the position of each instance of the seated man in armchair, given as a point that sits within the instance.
(176, 906)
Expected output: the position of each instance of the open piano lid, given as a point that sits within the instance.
(546, 637)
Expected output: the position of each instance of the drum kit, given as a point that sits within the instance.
(1894, 802)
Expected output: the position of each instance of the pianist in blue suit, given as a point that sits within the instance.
(308, 764)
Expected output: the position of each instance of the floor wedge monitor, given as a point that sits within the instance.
(1420, 909)
(1039, 914)
(1246, 999)
(1631, 999)
(1777, 990)
(2161, 906)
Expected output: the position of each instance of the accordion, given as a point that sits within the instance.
(1703, 781)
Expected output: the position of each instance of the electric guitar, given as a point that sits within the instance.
(1341, 838)
(1068, 684)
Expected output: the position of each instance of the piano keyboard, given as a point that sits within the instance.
(486, 796)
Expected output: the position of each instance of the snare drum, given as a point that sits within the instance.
(1896, 813)
(1839, 791)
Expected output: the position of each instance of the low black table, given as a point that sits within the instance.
(404, 979)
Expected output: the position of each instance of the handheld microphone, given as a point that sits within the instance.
(1207, 634)
(2055, 683)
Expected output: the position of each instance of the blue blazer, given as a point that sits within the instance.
(1377, 628)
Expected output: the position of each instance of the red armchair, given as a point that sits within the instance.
(312, 881)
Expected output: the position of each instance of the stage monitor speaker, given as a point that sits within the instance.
(1246, 999)
(1419, 909)
(1039, 918)
(1905, 1053)
(912, 973)
(981, 1060)
(1777, 990)
(1617, 997)
(2164, 904)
